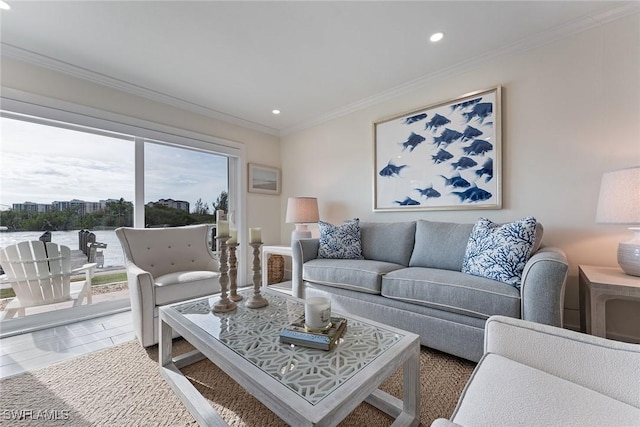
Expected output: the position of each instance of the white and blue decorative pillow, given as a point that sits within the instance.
(500, 251)
(340, 241)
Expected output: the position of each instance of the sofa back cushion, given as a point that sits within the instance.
(388, 242)
(440, 245)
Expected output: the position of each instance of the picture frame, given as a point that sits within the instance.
(445, 156)
(264, 179)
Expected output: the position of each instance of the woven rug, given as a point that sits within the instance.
(121, 386)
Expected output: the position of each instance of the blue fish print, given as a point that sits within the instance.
(437, 121)
(407, 202)
(478, 147)
(391, 169)
(428, 192)
(442, 156)
(413, 141)
(456, 181)
(415, 118)
(473, 194)
(481, 111)
(487, 169)
(465, 104)
(447, 137)
(470, 133)
(464, 163)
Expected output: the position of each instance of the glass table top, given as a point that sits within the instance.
(254, 335)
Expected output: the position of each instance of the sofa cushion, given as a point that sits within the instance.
(389, 242)
(340, 241)
(359, 275)
(500, 251)
(507, 393)
(452, 291)
(440, 245)
(173, 287)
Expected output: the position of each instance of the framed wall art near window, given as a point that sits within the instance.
(445, 156)
(264, 179)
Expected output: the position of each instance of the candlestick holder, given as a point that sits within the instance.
(233, 273)
(256, 300)
(224, 304)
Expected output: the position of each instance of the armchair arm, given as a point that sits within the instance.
(543, 284)
(142, 294)
(89, 271)
(301, 252)
(606, 366)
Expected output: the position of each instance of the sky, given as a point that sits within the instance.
(42, 164)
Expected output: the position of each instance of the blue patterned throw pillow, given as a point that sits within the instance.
(500, 251)
(340, 241)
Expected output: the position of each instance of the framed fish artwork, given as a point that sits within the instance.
(445, 156)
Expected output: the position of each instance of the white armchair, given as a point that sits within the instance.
(533, 374)
(166, 265)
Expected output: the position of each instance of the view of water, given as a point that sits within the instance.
(113, 256)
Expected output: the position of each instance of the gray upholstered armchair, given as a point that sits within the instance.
(166, 265)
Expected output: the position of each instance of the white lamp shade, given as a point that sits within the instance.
(302, 210)
(619, 201)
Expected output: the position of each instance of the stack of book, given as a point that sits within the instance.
(297, 334)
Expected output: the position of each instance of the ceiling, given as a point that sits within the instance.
(237, 61)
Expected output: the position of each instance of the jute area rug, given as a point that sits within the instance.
(121, 386)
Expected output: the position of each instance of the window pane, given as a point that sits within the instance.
(61, 180)
(183, 186)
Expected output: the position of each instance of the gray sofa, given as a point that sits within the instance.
(411, 278)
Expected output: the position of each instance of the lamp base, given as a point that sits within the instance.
(629, 254)
(301, 232)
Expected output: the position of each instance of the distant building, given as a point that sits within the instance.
(170, 203)
(80, 206)
(32, 207)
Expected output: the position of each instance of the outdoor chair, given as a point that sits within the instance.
(164, 266)
(40, 274)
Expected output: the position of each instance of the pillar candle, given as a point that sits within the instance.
(234, 236)
(255, 235)
(317, 312)
(222, 228)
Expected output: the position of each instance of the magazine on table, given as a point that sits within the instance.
(296, 333)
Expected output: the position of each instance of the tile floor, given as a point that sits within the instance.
(45, 347)
(39, 349)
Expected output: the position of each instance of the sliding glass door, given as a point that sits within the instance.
(74, 184)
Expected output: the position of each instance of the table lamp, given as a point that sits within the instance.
(619, 203)
(301, 211)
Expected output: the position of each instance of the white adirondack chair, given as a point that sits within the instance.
(40, 273)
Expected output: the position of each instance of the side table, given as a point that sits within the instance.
(267, 251)
(597, 285)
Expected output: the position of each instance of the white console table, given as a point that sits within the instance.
(267, 251)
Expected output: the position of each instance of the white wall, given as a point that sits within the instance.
(571, 111)
(262, 210)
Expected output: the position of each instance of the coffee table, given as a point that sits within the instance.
(304, 387)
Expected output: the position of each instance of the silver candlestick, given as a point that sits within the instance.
(233, 273)
(224, 304)
(256, 300)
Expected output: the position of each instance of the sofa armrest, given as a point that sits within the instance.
(606, 366)
(301, 251)
(543, 284)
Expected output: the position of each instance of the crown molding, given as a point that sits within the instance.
(53, 64)
(538, 40)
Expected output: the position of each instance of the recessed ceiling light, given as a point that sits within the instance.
(436, 37)
(275, 111)
(4, 5)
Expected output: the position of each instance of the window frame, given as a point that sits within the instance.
(20, 105)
